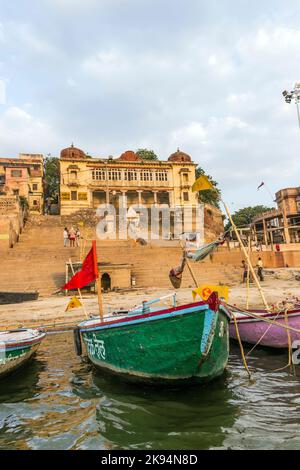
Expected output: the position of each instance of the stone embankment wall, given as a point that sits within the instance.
(213, 223)
(12, 220)
(271, 259)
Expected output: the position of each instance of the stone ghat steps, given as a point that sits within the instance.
(38, 261)
(48, 277)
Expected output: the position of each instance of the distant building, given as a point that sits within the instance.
(281, 225)
(24, 176)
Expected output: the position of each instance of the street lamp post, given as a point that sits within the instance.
(293, 95)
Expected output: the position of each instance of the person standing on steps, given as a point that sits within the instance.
(66, 236)
(245, 270)
(72, 236)
(77, 237)
(260, 268)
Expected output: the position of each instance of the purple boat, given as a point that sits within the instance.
(253, 330)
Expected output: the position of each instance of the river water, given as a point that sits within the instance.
(60, 402)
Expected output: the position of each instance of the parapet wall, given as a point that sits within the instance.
(271, 259)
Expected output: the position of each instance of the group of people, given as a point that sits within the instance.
(260, 270)
(71, 236)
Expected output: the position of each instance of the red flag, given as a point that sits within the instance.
(87, 274)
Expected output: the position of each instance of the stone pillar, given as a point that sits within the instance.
(155, 197)
(124, 198)
(265, 233)
(90, 198)
(286, 232)
(255, 233)
(107, 196)
(271, 238)
(140, 197)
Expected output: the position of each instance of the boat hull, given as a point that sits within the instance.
(17, 297)
(14, 355)
(165, 348)
(253, 330)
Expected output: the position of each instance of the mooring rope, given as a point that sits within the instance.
(290, 362)
(259, 317)
(264, 334)
(241, 346)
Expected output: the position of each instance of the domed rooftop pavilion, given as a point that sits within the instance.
(179, 156)
(72, 153)
(129, 156)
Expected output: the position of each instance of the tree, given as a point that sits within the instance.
(51, 177)
(146, 154)
(209, 196)
(243, 217)
(24, 202)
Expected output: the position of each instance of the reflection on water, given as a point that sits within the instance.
(59, 402)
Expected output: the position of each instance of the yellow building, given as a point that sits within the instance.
(86, 182)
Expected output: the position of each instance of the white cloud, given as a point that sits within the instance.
(221, 65)
(27, 39)
(190, 135)
(2, 38)
(274, 48)
(239, 99)
(22, 132)
(2, 92)
(71, 83)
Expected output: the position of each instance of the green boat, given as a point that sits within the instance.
(160, 345)
(17, 347)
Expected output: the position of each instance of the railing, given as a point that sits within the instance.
(125, 184)
(265, 215)
(8, 204)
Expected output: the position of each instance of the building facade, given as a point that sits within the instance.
(87, 182)
(281, 225)
(24, 176)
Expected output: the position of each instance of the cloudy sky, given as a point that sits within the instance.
(111, 75)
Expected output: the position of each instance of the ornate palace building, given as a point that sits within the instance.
(24, 176)
(86, 182)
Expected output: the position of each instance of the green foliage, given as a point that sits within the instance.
(23, 202)
(209, 196)
(51, 177)
(244, 217)
(146, 154)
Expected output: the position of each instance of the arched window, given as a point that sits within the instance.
(105, 281)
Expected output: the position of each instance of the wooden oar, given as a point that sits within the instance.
(189, 264)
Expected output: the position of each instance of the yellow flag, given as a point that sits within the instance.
(205, 291)
(73, 303)
(201, 184)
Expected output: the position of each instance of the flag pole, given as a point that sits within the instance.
(248, 274)
(79, 291)
(247, 257)
(203, 183)
(98, 281)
